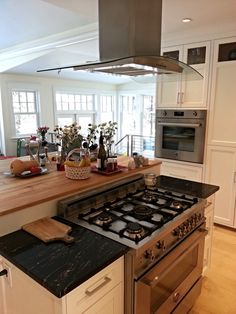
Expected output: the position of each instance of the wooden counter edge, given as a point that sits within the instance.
(88, 187)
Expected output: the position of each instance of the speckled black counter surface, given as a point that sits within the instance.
(57, 266)
(201, 190)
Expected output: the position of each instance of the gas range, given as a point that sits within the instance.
(132, 214)
(163, 229)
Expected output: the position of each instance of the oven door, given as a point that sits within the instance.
(180, 140)
(169, 281)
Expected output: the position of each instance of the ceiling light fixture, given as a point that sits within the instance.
(186, 20)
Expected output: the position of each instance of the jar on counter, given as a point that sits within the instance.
(150, 179)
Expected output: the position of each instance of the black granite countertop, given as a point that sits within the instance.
(201, 190)
(57, 266)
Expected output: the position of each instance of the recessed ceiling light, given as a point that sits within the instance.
(186, 20)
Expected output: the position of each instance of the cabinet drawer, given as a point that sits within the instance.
(186, 172)
(95, 288)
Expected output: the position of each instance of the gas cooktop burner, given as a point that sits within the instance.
(134, 228)
(104, 217)
(176, 205)
(134, 231)
(142, 211)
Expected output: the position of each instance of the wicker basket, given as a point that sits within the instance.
(76, 173)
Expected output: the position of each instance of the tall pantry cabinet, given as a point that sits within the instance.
(221, 148)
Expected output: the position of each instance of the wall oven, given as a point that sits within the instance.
(180, 134)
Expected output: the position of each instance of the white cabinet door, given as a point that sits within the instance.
(222, 126)
(209, 215)
(181, 171)
(105, 289)
(221, 171)
(111, 303)
(194, 92)
(25, 296)
(185, 91)
(169, 93)
(3, 309)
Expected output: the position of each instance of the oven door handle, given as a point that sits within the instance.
(154, 280)
(187, 125)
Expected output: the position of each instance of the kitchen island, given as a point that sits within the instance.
(71, 273)
(26, 199)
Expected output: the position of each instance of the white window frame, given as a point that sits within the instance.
(23, 88)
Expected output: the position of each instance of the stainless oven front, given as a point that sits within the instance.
(180, 134)
(173, 284)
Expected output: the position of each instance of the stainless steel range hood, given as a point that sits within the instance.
(130, 41)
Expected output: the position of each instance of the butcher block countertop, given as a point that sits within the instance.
(19, 193)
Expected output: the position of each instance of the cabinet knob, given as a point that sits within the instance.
(3, 272)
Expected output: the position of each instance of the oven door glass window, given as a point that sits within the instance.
(178, 138)
(168, 283)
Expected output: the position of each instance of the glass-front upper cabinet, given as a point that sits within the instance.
(227, 52)
(186, 92)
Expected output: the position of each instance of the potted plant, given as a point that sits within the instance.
(68, 139)
(90, 141)
(42, 131)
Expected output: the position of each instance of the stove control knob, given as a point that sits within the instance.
(149, 255)
(175, 232)
(161, 245)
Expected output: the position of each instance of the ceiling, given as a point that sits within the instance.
(43, 34)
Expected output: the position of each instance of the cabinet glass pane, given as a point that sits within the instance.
(196, 55)
(172, 54)
(227, 52)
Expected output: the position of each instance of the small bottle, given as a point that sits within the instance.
(101, 159)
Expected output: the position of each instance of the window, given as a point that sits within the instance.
(148, 115)
(25, 111)
(107, 110)
(72, 107)
(130, 124)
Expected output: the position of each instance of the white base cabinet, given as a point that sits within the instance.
(182, 170)
(101, 294)
(221, 171)
(209, 215)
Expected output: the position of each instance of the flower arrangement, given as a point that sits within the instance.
(42, 130)
(109, 130)
(69, 138)
(90, 140)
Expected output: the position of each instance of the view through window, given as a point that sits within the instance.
(25, 111)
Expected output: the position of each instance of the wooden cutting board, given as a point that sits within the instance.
(48, 229)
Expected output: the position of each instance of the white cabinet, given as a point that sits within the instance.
(221, 151)
(209, 215)
(222, 121)
(182, 170)
(101, 294)
(185, 91)
(221, 171)
(2, 291)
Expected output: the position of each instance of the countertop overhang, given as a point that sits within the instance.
(19, 193)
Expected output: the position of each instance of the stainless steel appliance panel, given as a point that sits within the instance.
(180, 134)
(167, 283)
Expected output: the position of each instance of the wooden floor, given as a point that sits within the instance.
(218, 294)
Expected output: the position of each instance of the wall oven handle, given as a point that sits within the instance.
(187, 125)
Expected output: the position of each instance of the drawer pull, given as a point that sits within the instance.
(3, 272)
(90, 291)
